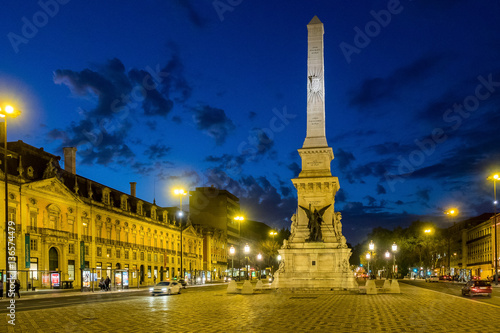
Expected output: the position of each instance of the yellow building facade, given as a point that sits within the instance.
(72, 232)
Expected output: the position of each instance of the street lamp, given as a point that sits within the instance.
(232, 250)
(452, 212)
(259, 258)
(394, 249)
(368, 257)
(247, 251)
(11, 112)
(494, 178)
(239, 219)
(387, 256)
(180, 192)
(371, 246)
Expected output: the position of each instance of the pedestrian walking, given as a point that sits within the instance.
(107, 282)
(17, 287)
(101, 284)
(1, 289)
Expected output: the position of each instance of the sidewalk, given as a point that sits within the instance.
(52, 293)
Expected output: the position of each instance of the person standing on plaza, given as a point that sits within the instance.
(17, 287)
(1, 289)
(107, 283)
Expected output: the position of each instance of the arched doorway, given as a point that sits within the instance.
(141, 273)
(53, 259)
(118, 266)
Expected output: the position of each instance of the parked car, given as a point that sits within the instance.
(166, 288)
(182, 282)
(477, 287)
(432, 278)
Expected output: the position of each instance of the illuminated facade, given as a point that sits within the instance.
(65, 222)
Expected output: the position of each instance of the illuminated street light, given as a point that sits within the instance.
(394, 250)
(247, 251)
(494, 178)
(371, 246)
(8, 110)
(232, 250)
(259, 258)
(387, 256)
(180, 192)
(452, 212)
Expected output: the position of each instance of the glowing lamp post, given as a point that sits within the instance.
(259, 258)
(180, 192)
(494, 178)
(232, 250)
(387, 256)
(394, 249)
(371, 246)
(7, 111)
(247, 251)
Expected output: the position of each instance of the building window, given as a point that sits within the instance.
(134, 255)
(99, 251)
(34, 244)
(126, 255)
(34, 268)
(149, 256)
(86, 250)
(118, 254)
(108, 253)
(33, 216)
(71, 248)
(12, 214)
(71, 269)
(142, 256)
(156, 258)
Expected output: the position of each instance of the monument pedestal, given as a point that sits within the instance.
(315, 266)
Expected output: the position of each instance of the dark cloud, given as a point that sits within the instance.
(376, 90)
(391, 148)
(344, 159)
(371, 200)
(177, 119)
(231, 164)
(173, 82)
(295, 168)
(341, 196)
(101, 135)
(423, 194)
(107, 86)
(153, 102)
(380, 189)
(193, 14)
(156, 151)
(252, 115)
(399, 203)
(260, 141)
(214, 122)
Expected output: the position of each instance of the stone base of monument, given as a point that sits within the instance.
(247, 288)
(232, 287)
(395, 287)
(315, 266)
(371, 288)
(258, 286)
(387, 285)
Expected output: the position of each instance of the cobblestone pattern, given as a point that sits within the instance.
(415, 310)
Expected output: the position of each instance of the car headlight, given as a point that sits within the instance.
(151, 289)
(163, 289)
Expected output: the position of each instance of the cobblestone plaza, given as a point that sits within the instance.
(213, 310)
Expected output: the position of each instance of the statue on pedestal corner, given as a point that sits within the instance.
(315, 220)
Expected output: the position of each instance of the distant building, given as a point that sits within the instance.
(213, 211)
(69, 227)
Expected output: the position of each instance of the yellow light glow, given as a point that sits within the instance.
(273, 233)
(179, 191)
(428, 231)
(239, 218)
(452, 211)
(9, 109)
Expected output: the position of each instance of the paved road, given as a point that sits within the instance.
(455, 289)
(213, 310)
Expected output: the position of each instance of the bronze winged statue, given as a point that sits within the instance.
(315, 219)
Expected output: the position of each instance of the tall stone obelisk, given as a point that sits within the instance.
(316, 255)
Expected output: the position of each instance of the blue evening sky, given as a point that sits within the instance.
(195, 93)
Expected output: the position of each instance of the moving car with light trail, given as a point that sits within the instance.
(166, 288)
